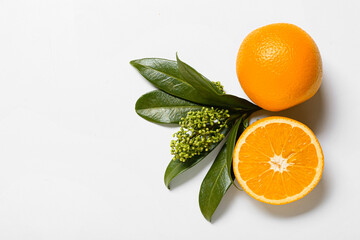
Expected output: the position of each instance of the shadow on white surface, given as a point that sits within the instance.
(167, 125)
(312, 112)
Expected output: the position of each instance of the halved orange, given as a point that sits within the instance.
(278, 160)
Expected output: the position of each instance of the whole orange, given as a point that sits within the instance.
(279, 66)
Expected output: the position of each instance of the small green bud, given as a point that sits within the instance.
(199, 130)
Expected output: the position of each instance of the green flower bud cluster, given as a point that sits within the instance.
(219, 86)
(199, 130)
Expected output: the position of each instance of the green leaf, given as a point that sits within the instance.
(219, 178)
(214, 186)
(208, 90)
(176, 167)
(195, 79)
(160, 107)
(164, 75)
(237, 103)
(236, 131)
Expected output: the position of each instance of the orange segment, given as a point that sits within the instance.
(306, 157)
(276, 189)
(278, 160)
(259, 142)
(260, 183)
(278, 135)
(251, 169)
(297, 141)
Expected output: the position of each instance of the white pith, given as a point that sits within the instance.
(279, 164)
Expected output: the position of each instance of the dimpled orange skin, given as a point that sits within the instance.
(279, 66)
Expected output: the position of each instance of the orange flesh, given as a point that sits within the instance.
(278, 163)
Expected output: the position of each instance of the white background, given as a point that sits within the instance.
(76, 162)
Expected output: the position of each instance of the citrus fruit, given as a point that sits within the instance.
(279, 66)
(278, 160)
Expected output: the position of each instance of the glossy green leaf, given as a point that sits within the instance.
(164, 75)
(219, 178)
(195, 79)
(176, 167)
(234, 134)
(189, 84)
(214, 186)
(160, 107)
(209, 91)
